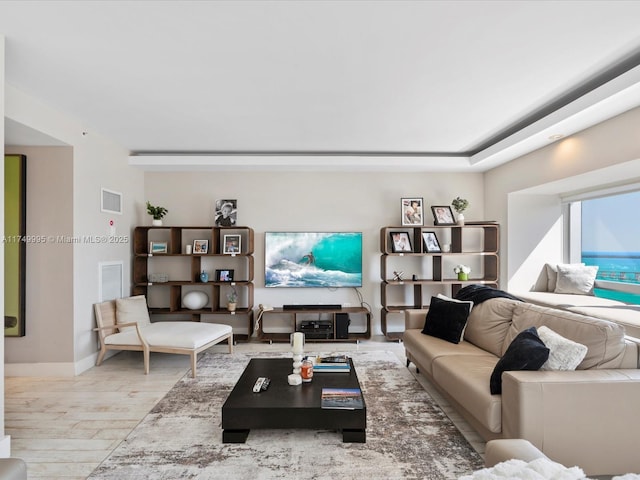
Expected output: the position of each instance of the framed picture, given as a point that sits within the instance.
(400, 242)
(224, 275)
(226, 213)
(412, 212)
(232, 244)
(158, 247)
(442, 215)
(201, 246)
(431, 244)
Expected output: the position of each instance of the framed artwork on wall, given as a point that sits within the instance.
(412, 212)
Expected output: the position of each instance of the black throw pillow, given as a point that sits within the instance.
(526, 352)
(446, 319)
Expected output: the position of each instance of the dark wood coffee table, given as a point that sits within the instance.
(286, 406)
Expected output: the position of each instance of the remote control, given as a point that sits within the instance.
(262, 383)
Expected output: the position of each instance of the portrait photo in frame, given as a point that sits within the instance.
(442, 215)
(224, 275)
(412, 212)
(232, 244)
(400, 242)
(431, 244)
(225, 213)
(201, 246)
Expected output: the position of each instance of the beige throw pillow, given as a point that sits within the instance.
(132, 310)
(564, 354)
(576, 279)
(552, 275)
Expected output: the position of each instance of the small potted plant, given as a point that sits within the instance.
(157, 213)
(462, 271)
(460, 205)
(232, 300)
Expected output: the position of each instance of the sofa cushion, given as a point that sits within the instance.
(564, 354)
(189, 335)
(424, 349)
(576, 279)
(132, 310)
(465, 378)
(446, 319)
(604, 340)
(488, 324)
(552, 274)
(526, 352)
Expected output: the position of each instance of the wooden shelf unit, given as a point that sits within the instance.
(293, 319)
(183, 270)
(434, 271)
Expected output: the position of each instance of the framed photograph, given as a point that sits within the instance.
(400, 242)
(412, 212)
(232, 244)
(224, 275)
(431, 244)
(201, 246)
(158, 247)
(443, 215)
(226, 213)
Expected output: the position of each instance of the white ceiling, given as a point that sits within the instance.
(432, 84)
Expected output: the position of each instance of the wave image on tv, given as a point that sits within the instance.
(313, 259)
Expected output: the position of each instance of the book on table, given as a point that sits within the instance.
(332, 363)
(342, 398)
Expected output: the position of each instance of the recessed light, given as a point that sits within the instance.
(556, 136)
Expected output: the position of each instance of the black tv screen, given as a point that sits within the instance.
(313, 259)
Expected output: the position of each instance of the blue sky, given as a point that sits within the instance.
(611, 224)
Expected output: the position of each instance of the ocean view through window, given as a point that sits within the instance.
(610, 240)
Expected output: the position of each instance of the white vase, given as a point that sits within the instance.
(460, 219)
(156, 223)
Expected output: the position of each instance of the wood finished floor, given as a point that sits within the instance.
(64, 427)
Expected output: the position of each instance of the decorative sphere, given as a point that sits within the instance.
(195, 300)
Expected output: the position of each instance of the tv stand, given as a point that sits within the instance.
(294, 318)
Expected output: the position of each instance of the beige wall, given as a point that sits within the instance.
(362, 202)
(525, 194)
(96, 163)
(49, 276)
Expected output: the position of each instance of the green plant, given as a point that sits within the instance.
(460, 204)
(232, 296)
(156, 212)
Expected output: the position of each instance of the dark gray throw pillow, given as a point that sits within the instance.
(526, 352)
(446, 319)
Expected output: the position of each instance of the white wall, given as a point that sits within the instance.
(362, 202)
(97, 163)
(524, 195)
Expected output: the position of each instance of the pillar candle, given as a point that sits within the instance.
(298, 342)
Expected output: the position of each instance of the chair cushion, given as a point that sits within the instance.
(132, 310)
(187, 335)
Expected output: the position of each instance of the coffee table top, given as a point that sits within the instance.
(280, 394)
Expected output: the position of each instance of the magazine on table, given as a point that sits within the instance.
(331, 363)
(342, 398)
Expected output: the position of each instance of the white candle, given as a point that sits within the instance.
(298, 339)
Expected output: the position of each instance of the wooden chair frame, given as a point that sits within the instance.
(106, 321)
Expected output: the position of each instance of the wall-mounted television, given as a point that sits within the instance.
(313, 259)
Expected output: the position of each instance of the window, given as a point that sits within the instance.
(605, 232)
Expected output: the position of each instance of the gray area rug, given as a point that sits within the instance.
(408, 435)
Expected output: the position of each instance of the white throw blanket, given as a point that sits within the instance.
(538, 469)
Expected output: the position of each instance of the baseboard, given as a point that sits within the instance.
(65, 369)
(5, 447)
